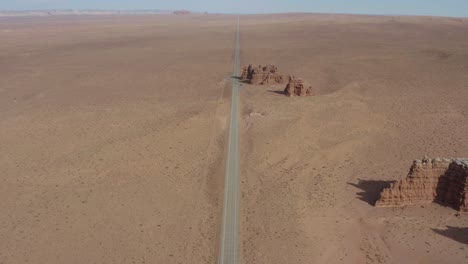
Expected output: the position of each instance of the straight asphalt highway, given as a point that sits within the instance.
(230, 227)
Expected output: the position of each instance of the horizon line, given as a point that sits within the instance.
(224, 13)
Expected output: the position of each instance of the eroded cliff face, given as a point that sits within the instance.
(268, 74)
(297, 87)
(430, 180)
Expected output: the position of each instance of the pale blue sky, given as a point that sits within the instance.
(404, 7)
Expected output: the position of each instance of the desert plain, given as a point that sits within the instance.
(113, 137)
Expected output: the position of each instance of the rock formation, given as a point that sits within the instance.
(181, 12)
(268, 74)
(297, 87)
(430, 180)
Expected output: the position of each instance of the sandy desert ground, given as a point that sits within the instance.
(390, 90)
(111, 138)
(112, 132)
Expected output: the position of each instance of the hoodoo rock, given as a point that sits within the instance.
(297, 87)
(430, 180)
(268, 74)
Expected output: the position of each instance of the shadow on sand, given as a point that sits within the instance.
(240, 79)
(370, 189)
(459, 234)
(277, 92)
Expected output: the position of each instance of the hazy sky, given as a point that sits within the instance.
(405, 7)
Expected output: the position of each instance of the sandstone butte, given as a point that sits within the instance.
(297, 87)
(268, 74)
(444, 181)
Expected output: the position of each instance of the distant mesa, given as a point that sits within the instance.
(268, 74)
(297, 87)
(181, 12)
(444, 181)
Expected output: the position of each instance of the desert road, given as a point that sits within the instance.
(229, 233)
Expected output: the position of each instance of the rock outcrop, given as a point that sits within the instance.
(268, 74)
(430, 180)
(297, 87)
(181, 12)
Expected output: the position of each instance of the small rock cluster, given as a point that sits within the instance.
(269, 75)
(296, 87)
(430, 180)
